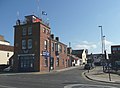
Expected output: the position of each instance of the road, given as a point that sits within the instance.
(67, 79)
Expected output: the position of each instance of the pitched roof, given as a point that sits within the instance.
(6, 48)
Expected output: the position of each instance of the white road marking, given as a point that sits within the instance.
(7, 86)
(88, 86)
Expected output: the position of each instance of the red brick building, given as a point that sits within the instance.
(35, 48)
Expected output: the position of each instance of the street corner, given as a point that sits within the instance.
(101, 77)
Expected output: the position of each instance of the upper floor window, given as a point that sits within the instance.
(64, 49)
(47, 31)
(60, 48)
(24, 31)
(29, 43)
(45, 44)
(114, 49)
(44, 30)
(29, 30)
(23, 44)
(56, 46)
(7, 54)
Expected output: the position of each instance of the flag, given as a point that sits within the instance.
(44, 13)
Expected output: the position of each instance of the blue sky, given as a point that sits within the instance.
(74, 21)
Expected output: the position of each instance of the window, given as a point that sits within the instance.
(45, 44)
(44, 30)
(48, 32)
(60, 48)
(57, 62)
(7, 54)
(29, 30)
(23, 44)
(114, 49)
(56, 46)
(29, 43)
(26, 62)
(64, 49)
(63, 61)
(118, 48)
(46, 62)
(52, 46)
(24, 31)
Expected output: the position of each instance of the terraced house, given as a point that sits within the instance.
(35, 48)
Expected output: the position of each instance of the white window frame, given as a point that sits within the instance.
(24, 31)
(45, 44)
(23, 44)
(29, 43)
(30, 30)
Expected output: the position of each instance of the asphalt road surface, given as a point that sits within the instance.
(67, 79)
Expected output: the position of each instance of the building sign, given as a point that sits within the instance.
(46, 53)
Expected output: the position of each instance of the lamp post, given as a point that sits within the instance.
(102, 45)
(101, 38)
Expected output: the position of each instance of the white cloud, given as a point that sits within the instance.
(85, 42)
(93, 47)
(85, 45)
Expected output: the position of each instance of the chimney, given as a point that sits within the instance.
(52, 36)
(1, 38)
(57, 38)
(18, 22)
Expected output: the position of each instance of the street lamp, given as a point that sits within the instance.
(101, 38)
(102, 46)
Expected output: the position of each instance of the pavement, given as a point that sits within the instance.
(97, 74)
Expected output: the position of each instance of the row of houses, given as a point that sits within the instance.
(36, 49)
(101, 59)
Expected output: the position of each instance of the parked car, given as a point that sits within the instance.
(7, 69)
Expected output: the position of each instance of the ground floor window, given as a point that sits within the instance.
(57, 62)
(63, 61)
(46, 62)
(26, 61)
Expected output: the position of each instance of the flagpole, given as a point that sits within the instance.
(18, 14)
(38, 7)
